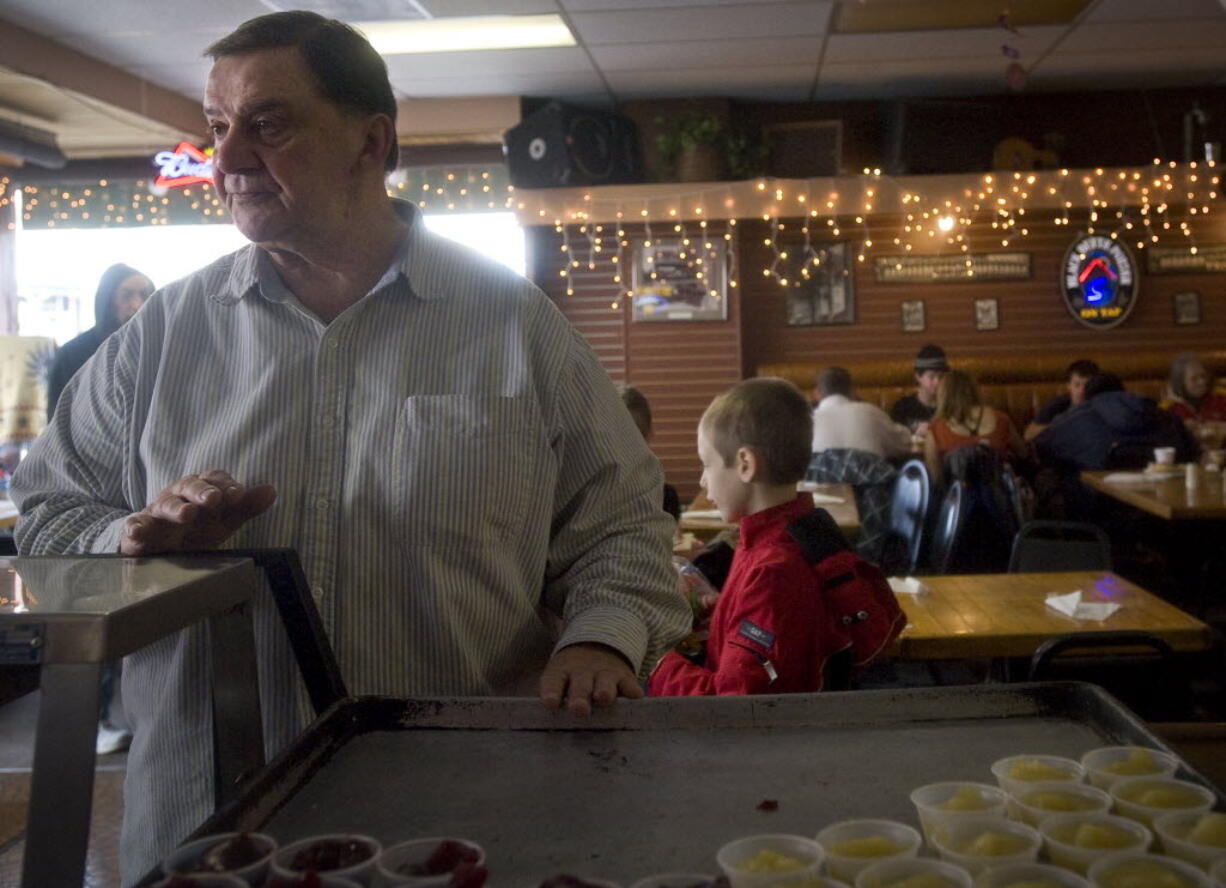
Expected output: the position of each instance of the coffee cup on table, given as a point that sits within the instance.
(1164, 456)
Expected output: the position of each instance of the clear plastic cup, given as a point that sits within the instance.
(736, 855)
(184, 860)
(1173, 834)
(955, 843)
(1029, 874)
(418, 851)
(1217, 872)
(1113, 871)
(1039, 801)
(1127, 802)
(1009, 771)
(930, 799)
(891, 872)
(675, 880)
(1060, 832)
(1097, 761)
(361, 871)
(203, 880)
(846, 866)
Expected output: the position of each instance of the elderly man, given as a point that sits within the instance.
(442, 449)
(842, 423)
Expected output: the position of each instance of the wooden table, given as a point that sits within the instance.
(1168, 498)
(845, 514)
(1005, 615)
(8, 514)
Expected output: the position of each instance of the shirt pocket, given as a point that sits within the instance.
(463, 467)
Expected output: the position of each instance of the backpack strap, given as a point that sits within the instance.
(818, 536)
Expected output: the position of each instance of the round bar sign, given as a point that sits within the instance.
(1100, 281)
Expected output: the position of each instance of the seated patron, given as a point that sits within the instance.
(1111, 429)
(839, 422)
(1077, 374)
(915, 410)
(1189, 393)
(640, 412)
(962, 419)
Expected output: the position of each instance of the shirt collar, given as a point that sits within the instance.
(832, 401)
(416, 259)
(755, 525)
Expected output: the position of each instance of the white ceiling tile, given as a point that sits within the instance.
(562, 61)
(1150, 10)
(1147, 35)
(523, 84)
(125, 50)
(938, 45)
(708, 53)
(448, 8)
(597, 5)
(696, 23)
(55, 18)
(773, 82)
(872, 89)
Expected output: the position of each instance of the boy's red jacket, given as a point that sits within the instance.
(771, 619)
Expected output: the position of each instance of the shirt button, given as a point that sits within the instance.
(317, 593)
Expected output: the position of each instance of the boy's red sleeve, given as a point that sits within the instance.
(769, 626)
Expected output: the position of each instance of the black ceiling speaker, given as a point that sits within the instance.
(560, 145)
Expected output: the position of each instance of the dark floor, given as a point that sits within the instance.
(17, 727)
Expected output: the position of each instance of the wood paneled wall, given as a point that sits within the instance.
(680, 366)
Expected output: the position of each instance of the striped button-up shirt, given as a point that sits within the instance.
(451, 462)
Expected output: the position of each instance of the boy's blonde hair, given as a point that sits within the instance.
(956, 395)
(771, 417)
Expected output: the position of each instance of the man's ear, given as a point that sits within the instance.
(746, 464)
(379, 137)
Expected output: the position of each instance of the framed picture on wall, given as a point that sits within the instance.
(912, 315)
(1186, 307)
(986, 314)
(676, 282)
(819, 289)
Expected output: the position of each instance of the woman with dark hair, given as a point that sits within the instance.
(1190, 394)
(121, 292)
(962, 419)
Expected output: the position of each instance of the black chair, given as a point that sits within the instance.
(909, 509)
(948, 530)
(1012, 485)
(1149, 678)
(1044, 546)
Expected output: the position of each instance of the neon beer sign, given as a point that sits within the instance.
(186, 165)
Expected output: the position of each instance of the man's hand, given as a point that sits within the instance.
(581, 675)
(196, 512)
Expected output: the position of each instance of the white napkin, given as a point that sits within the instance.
(1071, 605)
(907, 586)
(825, 498)
(1127, 478)
(701, 514)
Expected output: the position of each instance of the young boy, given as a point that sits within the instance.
(771, 631)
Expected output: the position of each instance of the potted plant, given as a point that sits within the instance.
(700, 146)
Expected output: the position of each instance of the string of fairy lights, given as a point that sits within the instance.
(112, 203)
(1162, 203)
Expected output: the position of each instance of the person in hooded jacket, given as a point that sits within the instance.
(121, 292)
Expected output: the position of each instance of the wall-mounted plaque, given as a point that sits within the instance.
(678, 282)
(912, 316)
(987, 314)
(1099, 283)
(1186, 307)
(1181, 260)
(819, 288)
(965, 267)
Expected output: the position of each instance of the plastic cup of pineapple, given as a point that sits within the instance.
(1041, 800)
(1029, 875)
(940, 803)
(978, 843)
(1147, 798)
(854, 845)
(1016, 772)
(1131, 869)
(1109, 764)
(673, 880)
(1075, 841)
(1196, 837)
(914, 872)
(766, 861)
